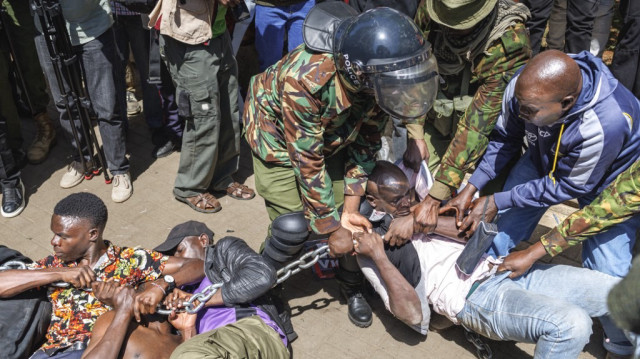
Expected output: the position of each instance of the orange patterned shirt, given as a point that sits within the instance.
(75, 311)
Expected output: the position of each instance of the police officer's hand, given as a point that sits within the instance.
(355, 222)
(416, 152)
(426, 214)
(471, 221)
(460, 203)
(400, 231)
(79, 277)
(340, 242)
(519, 262)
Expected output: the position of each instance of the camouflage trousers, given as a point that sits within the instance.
(247, 338)
(277, 185)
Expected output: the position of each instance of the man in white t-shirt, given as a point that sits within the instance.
(550, 305)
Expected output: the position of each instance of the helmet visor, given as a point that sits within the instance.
(408, 93)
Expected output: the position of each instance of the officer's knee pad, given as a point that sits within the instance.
(288, 234)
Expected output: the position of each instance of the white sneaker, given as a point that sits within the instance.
(73, 176)
(122, 188)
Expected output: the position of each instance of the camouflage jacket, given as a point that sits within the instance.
(617, 203)
(298, 113)
(490, 73)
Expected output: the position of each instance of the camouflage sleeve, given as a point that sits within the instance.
(361, 153)
(617, 203)
(305, 143)
(493, 73)
(422, 18)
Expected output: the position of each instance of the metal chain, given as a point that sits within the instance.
(198, 300)
(483, 351)
(305, 261)
(23, 266)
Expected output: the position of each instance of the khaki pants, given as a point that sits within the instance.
(247, 338)
(277, 185)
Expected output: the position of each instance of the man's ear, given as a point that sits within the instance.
(371, 200)
(568, 102)
(204, 239)
(94, 234)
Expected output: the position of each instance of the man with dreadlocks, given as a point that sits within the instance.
(479, 45)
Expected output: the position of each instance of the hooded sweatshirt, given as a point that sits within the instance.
(601, 138)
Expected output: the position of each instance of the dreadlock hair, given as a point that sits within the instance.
(83, 205)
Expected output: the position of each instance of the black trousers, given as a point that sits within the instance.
(9, 173)
(626, 64)
(580, 17)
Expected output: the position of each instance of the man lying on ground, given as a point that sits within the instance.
(240, 317)
(116, 335)
(81, 257)
(550, 305)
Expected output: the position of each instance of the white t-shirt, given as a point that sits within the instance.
(440, 284)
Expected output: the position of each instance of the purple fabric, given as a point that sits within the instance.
(216, 317)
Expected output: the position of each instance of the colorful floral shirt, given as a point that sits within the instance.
(75, 311)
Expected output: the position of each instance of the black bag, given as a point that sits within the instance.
(140, 6)
(24, 319)
(477, 245)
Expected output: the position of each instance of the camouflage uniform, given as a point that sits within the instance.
(491, 70)
(298, 114)
(617, 203)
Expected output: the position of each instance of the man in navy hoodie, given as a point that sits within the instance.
(582, 130)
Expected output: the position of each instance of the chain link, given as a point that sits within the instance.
(483, 351)
(305, 261)
(198, 300)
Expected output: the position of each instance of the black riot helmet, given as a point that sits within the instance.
(382, 51)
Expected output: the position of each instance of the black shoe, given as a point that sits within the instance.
(360, 312)
(164, 150)
(12, 200)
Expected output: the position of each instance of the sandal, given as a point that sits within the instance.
(239, 191)
(210, 203)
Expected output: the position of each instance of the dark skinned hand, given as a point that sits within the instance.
(519, 262)
(176, 299)
(369, 244)
(114, 295)
(426, 214)
(400, 231)
(416, 152)
(79, 277)
(147, 301)
(471, 221)
(229, 3)
(460, 203)
(340, 242)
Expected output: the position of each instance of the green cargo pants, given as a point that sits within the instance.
(248, 338)
(19, 23)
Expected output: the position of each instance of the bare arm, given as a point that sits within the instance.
(16, 281)
(111, 328)
(184, 270)
(403, 299)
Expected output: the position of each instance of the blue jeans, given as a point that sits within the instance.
(271, 24)
(104, 78)
(608, 252)
(550, 305)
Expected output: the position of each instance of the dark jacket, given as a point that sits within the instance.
(246, 275)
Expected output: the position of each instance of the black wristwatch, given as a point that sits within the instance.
(170, 282)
